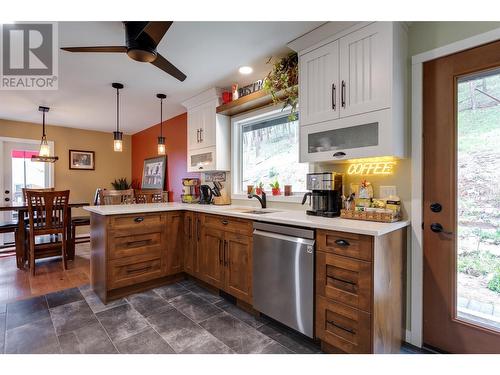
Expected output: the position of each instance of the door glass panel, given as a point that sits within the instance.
(478, 199)
(341, 139)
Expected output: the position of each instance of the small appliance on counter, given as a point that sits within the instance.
(325, 197)
(190, 190)
(206, 194)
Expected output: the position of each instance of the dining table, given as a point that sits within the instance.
(20, 237)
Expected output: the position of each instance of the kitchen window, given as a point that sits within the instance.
(266, 149)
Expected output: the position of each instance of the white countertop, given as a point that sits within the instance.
(277, 216)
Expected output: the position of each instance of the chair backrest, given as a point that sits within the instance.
(25, 190)
(47, 210)
(151, 196)
(108, 197)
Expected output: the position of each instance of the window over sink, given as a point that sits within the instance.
(266, 149)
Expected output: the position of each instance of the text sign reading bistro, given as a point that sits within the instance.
(381, 168)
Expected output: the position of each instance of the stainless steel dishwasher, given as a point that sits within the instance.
(283, 274)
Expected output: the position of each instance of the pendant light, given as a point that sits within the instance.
(161, 139)
(117, 135)
(44, 154)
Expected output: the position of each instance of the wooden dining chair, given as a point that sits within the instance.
(108, 197)
(25, 190)
(48, 215)
(150, 196)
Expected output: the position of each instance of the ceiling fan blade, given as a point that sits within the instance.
(121, 49)
(156, 30)
(168, 67)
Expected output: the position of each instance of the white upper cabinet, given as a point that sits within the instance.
(352, 89)
(365, 69)
(208, 134)
(319, 84)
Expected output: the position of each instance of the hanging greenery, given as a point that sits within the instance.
(282, 83)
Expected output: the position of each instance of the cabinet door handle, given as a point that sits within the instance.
(342, 242)
(334, 89)
(198, 229)
(139, 219)
(342, 94)
(220, 252)
(342, 280)
(190, 234)
(341, 327)
(225, 253)
(197, 135)
(201, 135)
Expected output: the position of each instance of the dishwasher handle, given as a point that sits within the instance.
(283, 237)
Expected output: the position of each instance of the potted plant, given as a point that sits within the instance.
(260, 188)
(282, 83)
(275, 187)
(121, 184)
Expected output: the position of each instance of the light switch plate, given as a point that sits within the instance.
(386, 191)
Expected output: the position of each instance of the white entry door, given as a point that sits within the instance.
(18, 172)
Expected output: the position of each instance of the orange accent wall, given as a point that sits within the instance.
(144, 145)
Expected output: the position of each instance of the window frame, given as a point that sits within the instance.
(237, 123)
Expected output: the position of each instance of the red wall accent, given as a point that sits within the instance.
(144, 145)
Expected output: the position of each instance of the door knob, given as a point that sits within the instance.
(7, 199)
(438, 228)
(7, 191)
(436, 207)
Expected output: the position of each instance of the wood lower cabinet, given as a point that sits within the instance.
(175, 242)
(226, 255)
(189, 235)
(359, 292)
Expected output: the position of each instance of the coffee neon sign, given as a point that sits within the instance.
(380, 168)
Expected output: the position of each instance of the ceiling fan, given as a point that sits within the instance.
(141, 39)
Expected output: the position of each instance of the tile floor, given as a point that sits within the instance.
(177, 318)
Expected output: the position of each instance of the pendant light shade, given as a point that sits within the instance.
(162, 149)
(44, 154)
(117, 135)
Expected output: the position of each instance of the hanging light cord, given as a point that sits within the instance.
(161, 117)
(43, 124)
(117, 110)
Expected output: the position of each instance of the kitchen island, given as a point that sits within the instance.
(359, 265)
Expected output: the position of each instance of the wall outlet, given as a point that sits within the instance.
(386, 191)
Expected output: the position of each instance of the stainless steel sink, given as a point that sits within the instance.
(260, 212)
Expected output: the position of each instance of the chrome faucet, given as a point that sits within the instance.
(262, 200)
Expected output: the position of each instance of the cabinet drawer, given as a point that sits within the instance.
(140, 244)
(229, 224)
(133, 270)
(344, 279)
(346, 244)
(136, 224)
(343, 327)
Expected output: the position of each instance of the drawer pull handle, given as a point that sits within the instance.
(139, 269)
(139, 219)
(138, 243)
(225, 222)
(339, 154)
(342, 242)
(351, 331)
(342, 280)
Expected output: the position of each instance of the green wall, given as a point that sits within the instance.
(424, 36)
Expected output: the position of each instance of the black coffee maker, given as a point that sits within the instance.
(325, 197)
(206, 194)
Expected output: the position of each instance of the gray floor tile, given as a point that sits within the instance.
(237, 335)
(90, 339)
(290, 339)
(148, 302)
(251, 320)
(2, 331)
(26, 311)
(95, 302)
(35, 337)
(63, 297)
(186, 283)
(171, 291)
(273, 348)
(205, 293)
(122, 321)
(72, 316)
(207, 344)
(180, 332)
(145, 342)
(194, 307)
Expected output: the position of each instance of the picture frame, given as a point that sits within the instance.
(154, 172)
(81, 160)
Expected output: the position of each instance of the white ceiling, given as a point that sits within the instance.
(209, 53)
